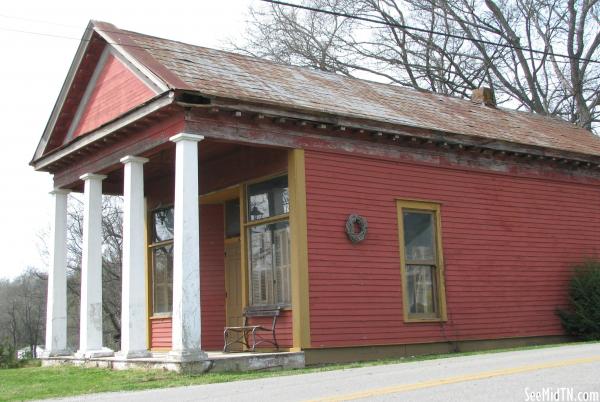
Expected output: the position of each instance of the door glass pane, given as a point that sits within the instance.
(162, 276)
(232, 218)
(419, 239)
(268, 198)
(270, 264)
(163, 224)
(421, 289)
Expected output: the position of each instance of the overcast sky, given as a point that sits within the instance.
(32, 70)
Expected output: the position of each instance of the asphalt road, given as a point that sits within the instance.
(563, 373)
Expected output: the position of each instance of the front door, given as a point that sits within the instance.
(233, 282)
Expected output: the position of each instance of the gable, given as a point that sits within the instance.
(112, 90)
(105, 81)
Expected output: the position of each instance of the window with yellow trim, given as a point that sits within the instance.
(421, 260)
(161, 249)
(268, 233)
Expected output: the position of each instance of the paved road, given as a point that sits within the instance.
(507, 376)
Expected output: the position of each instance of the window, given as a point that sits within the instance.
(268, 232)
(421, 260)
(162, 260)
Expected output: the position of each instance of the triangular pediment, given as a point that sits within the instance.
(103, 83)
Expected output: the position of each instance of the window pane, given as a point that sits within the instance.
(232, 218)
(269, 198)
(163, 224)
(419, 240)
(270, 264)
(421, 289)
(162, 278)
(281, 263)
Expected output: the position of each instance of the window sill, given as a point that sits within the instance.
(423, 319)
(161, 316)
(270, 306)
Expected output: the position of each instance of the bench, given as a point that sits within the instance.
(240, 335)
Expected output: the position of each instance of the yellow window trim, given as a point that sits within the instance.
(427, 206)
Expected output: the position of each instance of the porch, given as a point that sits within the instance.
(214, 362)
(190, 256)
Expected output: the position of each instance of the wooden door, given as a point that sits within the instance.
(233, 282)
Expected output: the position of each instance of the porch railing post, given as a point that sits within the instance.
(186, 343)
(90, 326)
(56, 313)
(133, 297)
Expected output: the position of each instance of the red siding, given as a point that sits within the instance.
(116, 91)
(283, 330)
(212, 276)
(161, 333)
(508, 243)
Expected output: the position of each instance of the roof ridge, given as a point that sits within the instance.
(393, 86)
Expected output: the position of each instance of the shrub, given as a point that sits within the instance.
(8, 358)
(582, 320)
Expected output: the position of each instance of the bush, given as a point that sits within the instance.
(582, 320)
(8, 357)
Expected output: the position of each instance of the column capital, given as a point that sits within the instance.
(186, 137)
(64, 191)
(133, 159)
(92, 176)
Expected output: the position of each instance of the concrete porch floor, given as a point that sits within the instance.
(216, 362)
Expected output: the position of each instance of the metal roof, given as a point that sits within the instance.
(248, 79)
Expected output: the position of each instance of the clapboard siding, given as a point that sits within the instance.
(508, 243)
(283, 330)
(160, 333)
(116, 91)
(212, 284)
(212, 276)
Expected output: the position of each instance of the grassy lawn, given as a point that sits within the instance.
(39, 382)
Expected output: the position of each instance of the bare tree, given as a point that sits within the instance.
(23, 306)
(513, 46)
(112, 224)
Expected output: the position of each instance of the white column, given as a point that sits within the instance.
(134, 326)
(186, 251)
(56, 307)
(90, 327)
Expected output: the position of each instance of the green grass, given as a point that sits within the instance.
(48, 382)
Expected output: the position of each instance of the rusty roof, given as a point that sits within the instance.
(233, 76)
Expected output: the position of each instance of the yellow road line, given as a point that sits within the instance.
(453, 380)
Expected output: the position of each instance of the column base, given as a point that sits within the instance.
(193, 355)
(56, 353)
(91, 354)
(133, 354)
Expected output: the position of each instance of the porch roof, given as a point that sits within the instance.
(220, 74)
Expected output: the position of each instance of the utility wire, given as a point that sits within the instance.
(171, 50)
(422, 30)
(276, 2)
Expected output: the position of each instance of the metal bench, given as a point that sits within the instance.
(240, 335)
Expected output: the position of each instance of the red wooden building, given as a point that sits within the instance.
(239, 176)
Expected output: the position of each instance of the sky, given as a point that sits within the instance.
(32, 70)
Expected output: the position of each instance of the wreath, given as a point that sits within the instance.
(353, 223)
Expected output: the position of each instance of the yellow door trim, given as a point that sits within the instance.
(299, 250)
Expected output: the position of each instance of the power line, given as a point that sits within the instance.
(422, 30)
(82, 39)
(51, 35)
(57, 36)
(14, 17)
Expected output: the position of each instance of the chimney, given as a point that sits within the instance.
(484, 96)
